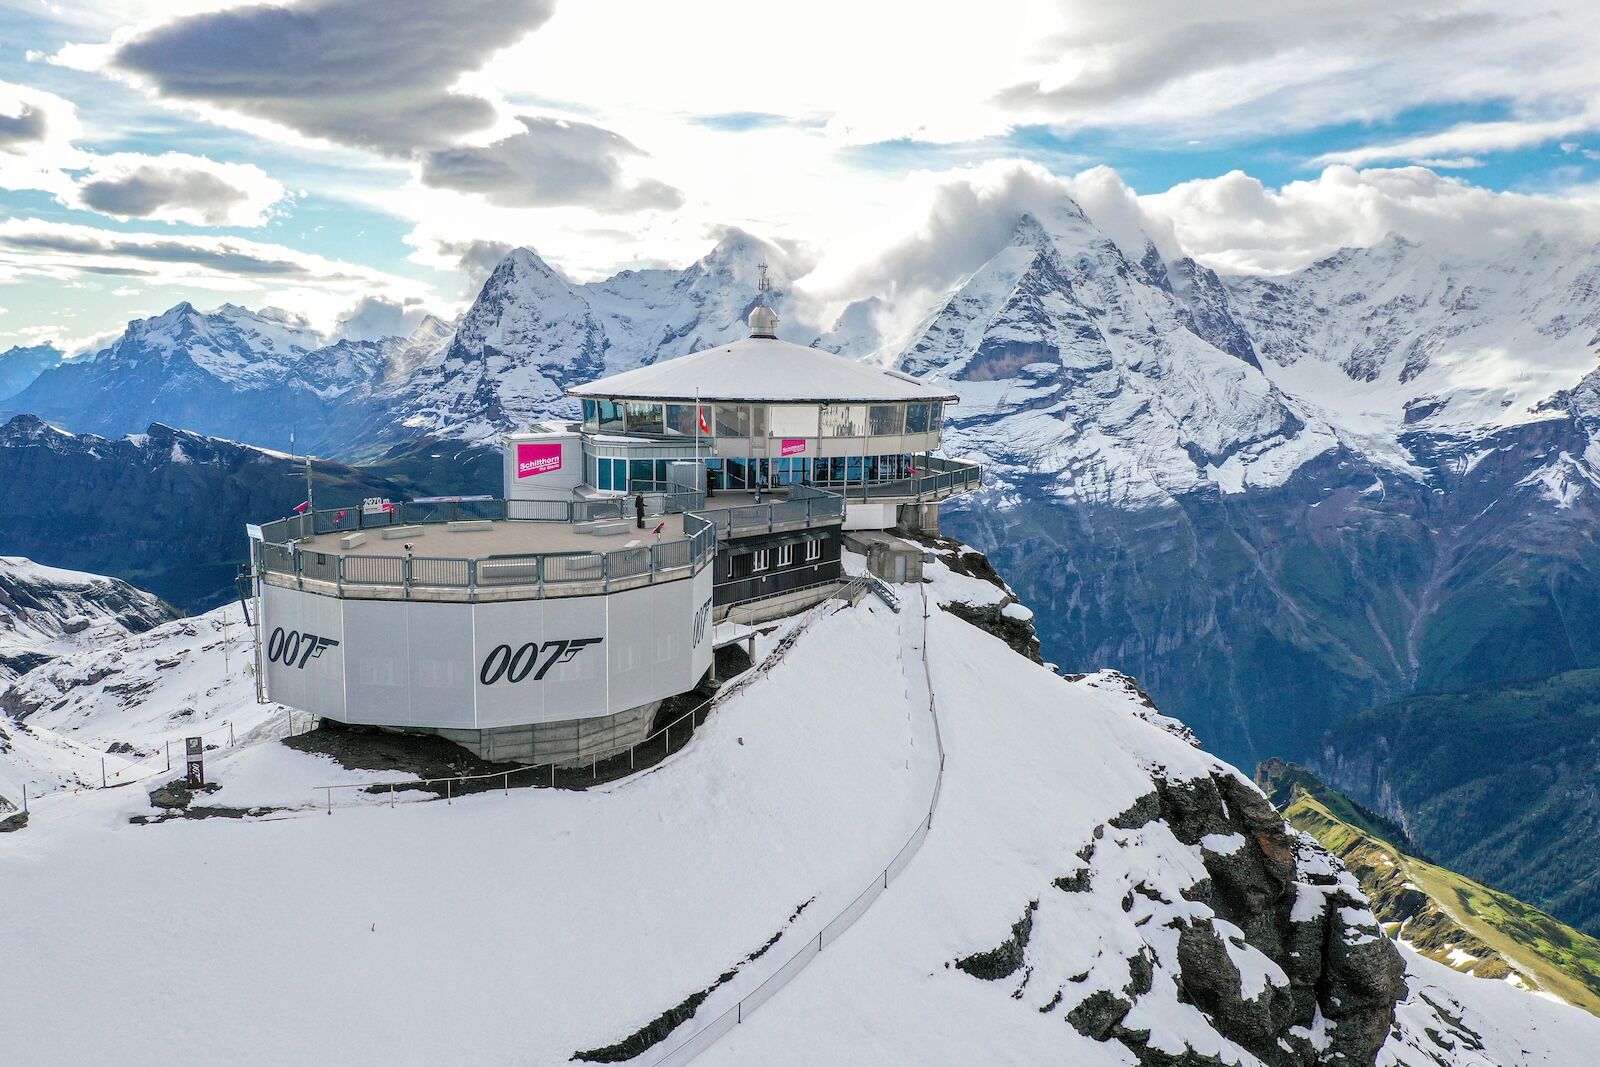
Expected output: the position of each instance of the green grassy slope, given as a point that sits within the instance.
(1446, 916)
(1501, 783)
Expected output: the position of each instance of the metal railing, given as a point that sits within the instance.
(937, 479)
(805, 505)
(531, 575)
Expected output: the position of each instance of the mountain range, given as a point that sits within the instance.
(1276, 501)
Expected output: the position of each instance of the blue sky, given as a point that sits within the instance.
(150, 154)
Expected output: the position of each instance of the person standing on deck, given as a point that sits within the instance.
(638, 509)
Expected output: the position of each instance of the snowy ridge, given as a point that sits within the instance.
(1061, 804)
(124, 696)
(47, 611)
(531, 334)
(1096, 371)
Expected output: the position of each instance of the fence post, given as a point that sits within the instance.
(169, 755)
(24, 798)
(230, 733)
(330, 800)
(508, 783)
(447, 788)
(102, 772)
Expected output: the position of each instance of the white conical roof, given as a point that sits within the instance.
(764, 369)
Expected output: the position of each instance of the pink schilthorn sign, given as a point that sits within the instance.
(792, 446)
(537, 459)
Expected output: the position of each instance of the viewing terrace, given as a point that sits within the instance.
(493, 549)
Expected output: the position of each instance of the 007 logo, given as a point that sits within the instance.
(295, 649)
(502, 662)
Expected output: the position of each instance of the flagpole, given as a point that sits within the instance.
(698, 419)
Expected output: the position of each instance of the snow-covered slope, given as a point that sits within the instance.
(1118, 380)
(1402, 336)
(574, 919)
(230, 372)
(121, 696)
(531, 333)
(47, 611)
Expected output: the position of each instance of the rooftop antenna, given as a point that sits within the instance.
(763, 320)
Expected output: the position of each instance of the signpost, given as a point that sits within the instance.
(195, 754)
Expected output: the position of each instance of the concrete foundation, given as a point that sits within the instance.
(566, 744)
(918, 518)
(888, 557)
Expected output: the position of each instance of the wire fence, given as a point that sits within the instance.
(160, 762)
(703, 1037)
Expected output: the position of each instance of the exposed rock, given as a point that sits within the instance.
(1005, 959)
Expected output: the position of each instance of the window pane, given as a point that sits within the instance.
(885, 419)
(610, 413)
(680, 420)
(844, 420)
(936, 421)
(619, 474)
(640, 474)
(644, 418)
(793, 420)
(917, 416)
(733, 420)
(603, 481)
(736, 473)
(591, 415)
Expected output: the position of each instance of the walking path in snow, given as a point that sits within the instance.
(923, 726)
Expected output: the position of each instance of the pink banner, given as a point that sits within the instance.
(792, 446)
(534, 460)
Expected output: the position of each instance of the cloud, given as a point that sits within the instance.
(175, 187)
(550, 163)
(373, 317)
(59, 250)
(1462, 139)
(376, 76)
(37, 130)
(1236, 223)
(24, 129)
(1265, 66)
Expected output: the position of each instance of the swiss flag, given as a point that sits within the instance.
(704, 428)
(387, 506)
(300, 508)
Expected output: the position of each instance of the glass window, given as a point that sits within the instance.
(591, 414)
(641, 472)
(936, 421)
(733, 420)
(763, 559)
(844, 420)
(758, 420)
(793, 420)
(852, 470)
(813, 549)
(610, 416)
(917, 416)
(680, 420)
(644, 418)
(785, 555)
(885, 419)
(836, 469)
(661, 471)
(603, 474)
(741, 565)
(737, 471)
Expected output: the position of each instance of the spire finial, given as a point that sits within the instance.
(763, 283)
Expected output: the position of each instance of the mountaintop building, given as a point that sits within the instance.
(548, 625)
